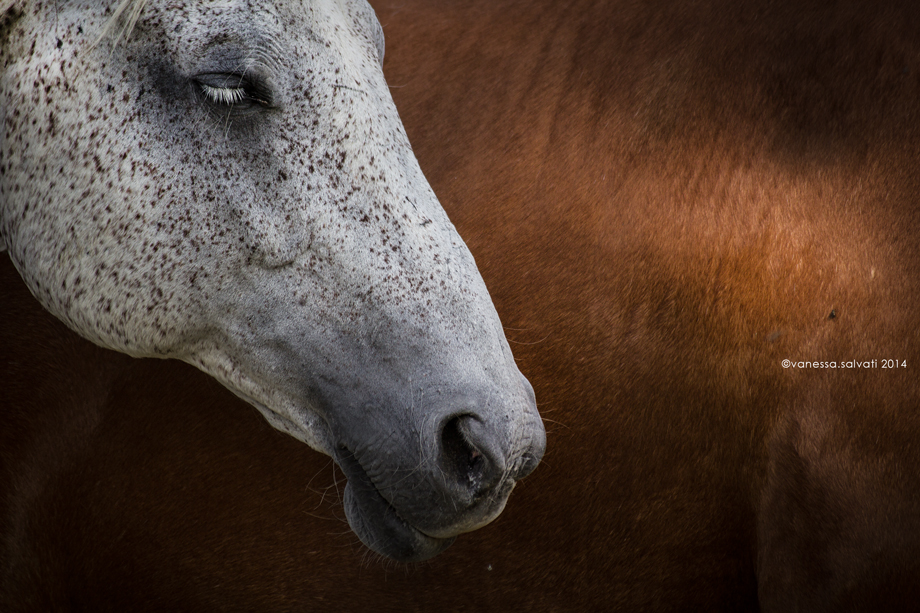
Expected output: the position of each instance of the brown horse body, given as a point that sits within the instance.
(666, 201)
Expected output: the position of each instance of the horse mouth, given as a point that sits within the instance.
(377, 523)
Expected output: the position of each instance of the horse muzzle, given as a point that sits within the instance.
(412, 507)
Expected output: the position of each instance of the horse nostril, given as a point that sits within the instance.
(464, 462)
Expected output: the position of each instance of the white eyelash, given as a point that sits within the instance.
(223, 95)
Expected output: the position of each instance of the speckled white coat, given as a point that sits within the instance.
(230, 185)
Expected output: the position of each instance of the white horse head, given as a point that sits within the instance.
(230, 185)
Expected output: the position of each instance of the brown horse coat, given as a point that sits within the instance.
(666, 200)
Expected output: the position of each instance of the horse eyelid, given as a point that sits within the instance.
(223, 95)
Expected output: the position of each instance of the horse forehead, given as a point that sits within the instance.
(284, 27)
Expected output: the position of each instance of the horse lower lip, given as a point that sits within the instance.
(380, 527)
(376, 521)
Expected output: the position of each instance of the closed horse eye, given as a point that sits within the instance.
(223, 95)
(232, 90)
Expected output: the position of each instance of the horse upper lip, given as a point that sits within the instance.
(488, 506)
(356, 474)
